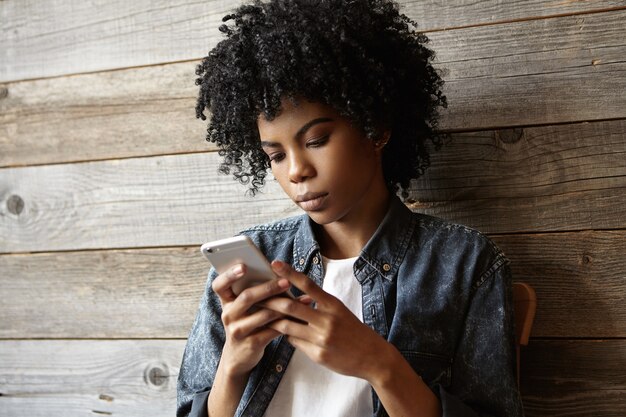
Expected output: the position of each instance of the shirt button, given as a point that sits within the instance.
(279, 368)
(316, 260)
(386, 267)
(301, 261)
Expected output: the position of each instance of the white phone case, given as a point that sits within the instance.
(225, 253)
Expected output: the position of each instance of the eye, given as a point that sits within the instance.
(317, 141)
(276, 157)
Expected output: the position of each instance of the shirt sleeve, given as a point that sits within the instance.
(201, 356)
(484, 379)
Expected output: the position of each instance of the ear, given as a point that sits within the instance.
(384, 138)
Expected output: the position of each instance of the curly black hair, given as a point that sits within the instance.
(361, 57)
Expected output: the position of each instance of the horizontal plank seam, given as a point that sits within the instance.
(528, 19)
(499, 22)
(442, 131)
(192, 246)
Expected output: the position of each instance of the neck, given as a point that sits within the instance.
(345, 238)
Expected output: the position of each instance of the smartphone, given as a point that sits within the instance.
(225, 253)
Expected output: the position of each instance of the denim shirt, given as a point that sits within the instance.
(440, 292)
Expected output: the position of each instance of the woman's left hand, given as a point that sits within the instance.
(329, 334)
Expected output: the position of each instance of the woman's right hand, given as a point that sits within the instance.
(245, 325)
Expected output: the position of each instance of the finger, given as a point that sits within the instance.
(300, 281)
(247, 325)
(251, 296)
(305, 299)
(291, 308)
(265, 336)
(292, 328)
(223, 283)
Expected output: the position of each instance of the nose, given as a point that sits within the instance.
(300, 168)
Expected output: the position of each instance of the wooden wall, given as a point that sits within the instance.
(107, 189)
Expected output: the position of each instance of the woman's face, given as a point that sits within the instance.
(324, 164)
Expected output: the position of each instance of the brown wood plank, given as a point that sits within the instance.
(556, 178)
(138, 377)
(574, 378)
(149, 293)
(93, 377)
(533, 179)
(74, 36)
(522, 73)
(579, 278)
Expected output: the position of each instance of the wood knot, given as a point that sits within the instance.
(15, 205)
(586, 259)
(4, 92)
(510, 135)
(156, 375)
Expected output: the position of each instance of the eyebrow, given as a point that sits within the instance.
(300, 132)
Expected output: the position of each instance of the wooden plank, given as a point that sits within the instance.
(533, 179)
(579, 278)
(580, 286)
(68, 37)
(138, 377)
(563, 181)
(534, 72)
(91, 377)
(574, 378)
(150, 111)
(451, 14)
(152, 293)
(143, 202)
(146, 111)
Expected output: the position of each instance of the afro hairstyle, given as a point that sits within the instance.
(361, 57)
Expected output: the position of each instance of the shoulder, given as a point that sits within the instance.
(276, 239)
(458, 244)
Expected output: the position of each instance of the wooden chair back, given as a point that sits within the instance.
(525, 306)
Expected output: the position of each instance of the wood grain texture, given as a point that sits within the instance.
(138, 377)
(145, 202)
(574, 378)
(152, 293)
(555, 178)
(149, 293)
(524, 73)
(138, 112)
(533, 179)
(68, 37)
(132, 378)
(579, 278)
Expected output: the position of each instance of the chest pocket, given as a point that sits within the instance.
(433, 368)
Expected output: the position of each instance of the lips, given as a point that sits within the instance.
(311, 201)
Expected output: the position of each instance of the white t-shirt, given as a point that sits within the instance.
(309, 389)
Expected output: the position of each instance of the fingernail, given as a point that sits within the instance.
(283, 283)
(278, 266)
(238, 270)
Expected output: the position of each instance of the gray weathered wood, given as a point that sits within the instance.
(580, 285)
(136, 112)
(541, 179)
(138, 377)
(555, 178)
(158, 201)
(496, 78)
(66, 37)
(101, 294)
(68, 378)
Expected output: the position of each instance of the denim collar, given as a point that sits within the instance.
(383, 252)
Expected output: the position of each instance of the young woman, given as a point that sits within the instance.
(398, 313)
